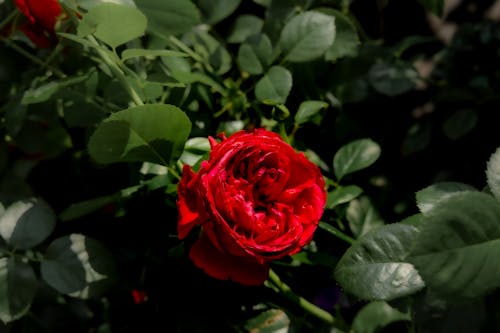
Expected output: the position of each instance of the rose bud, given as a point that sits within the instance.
(256, 200)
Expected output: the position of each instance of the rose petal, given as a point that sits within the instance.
(224, 267)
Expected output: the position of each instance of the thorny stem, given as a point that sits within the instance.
(309, 307)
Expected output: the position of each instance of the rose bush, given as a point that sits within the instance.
(42, 17)
(256, 199)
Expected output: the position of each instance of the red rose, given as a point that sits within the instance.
(256, 200)
(42, 16)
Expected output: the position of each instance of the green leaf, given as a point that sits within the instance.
(346, 41)
(275, 85)
(82, 208)
(77, 265)
(18, 286)
(355, 156)
(307, 110)
(458, 247)
(87, 4)
(135, 53)
(194, 150)
(217, 10)
(270, 321)
(112, 23)
(255, 54)
(244, 27)
(362, 216)
(435, 6)
(149, 133)
(375, 316)
(342, 194)
(375, 267)
(170, 17)
(27, 223)
(460, 123)
(493, 173)
(45, 91)
(307, 36)
(392, 79)
(432, 196)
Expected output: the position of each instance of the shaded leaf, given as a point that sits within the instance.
(275, 85)
(255, 54)
(307, 110)
(431, 196)
(217, 10)
(342, 194)
(392, 79)
(460, 123)
(375, 316)
(346, 41)
(362, 216)
(244, 27)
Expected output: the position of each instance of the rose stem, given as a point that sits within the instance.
(286, 291)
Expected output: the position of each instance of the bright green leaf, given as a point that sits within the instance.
(355, 156)
(244, 27)
(150, 133)
(113, 24)
(431, 196)
(375, 316)
(493, 173)
(275, 85)
(342, 194)
(307, 36)
(27, 223)
(18, 286)
(217, 10)
(170, 17)
(362, 216)
(375, 267)
(307, 110)
(135, 53)
(255, 54)
(457, 250)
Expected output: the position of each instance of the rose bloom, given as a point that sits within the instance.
(256, 200)
(42, 16)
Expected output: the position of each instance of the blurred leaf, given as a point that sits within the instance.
(255, 54)
(493, 173)
(170, 17)
(82, 208)
(210, 49)
(392, 79)
(307, 110)
(307, 36)
(375, 267)
(435, 6)
(355, 156)
(375, 316)
(18, 286)
(362, 216)
(265, 3)
(244, 27)
(27, 223)
(432, 196)
(135, 53)
(342, 194)
(270, 321)
(460, 123)
(195, 149)
(148, 133)
(77, 265)
(217, 10)
(346, 41)
(112, 23)
(45, 91)
(15, 115)
(458, 247)
(87, 4)
(275, 85)
(418, 137)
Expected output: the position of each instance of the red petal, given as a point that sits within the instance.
(187, 204)
(223, 267)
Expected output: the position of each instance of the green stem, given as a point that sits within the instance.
(7, 20)
(117, 71)
(337, 233)
(312, 309)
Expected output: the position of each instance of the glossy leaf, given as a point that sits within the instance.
(275, 85)
(342, 194)
(493, 173)
(362, 216)
(307, 36)
(376, 268)
(255, 54)
(431, 196)
(355, 156)
(375, 316)
(27, 223)
(149, 133)
(244, 27)
(18, 286)
(77, 265)
(113, 24)
(458, 247)
(307, 110)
